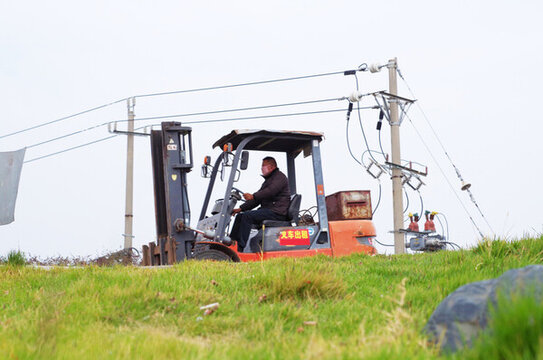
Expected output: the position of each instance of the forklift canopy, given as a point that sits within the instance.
(272, 140)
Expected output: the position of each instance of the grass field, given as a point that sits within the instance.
(313, 308)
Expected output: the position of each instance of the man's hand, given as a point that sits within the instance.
(235, 211)
(248, 196)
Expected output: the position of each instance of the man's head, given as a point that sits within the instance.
(268, 165)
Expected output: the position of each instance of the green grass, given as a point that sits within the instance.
(312, 308)
(14, 258)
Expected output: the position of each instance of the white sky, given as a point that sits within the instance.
(475, 68)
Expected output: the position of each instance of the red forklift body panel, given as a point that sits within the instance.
(352, 236)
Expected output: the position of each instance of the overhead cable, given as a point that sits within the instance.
(445, 176)
(381, 146)
(380, 243)
(233, 110)
(360, 122)
(446, 221)
(241, 84)
(62, 118)
(185, 115)
(407, 204)
(267, 116)
(66, 135)
(378, 199)
(421, 204)
(173, 92)
(445, 151)
(197, 122)
(69, 149)
(442, 228)
(349, 143)
(451, 243)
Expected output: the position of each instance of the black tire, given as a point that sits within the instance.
(205, 253)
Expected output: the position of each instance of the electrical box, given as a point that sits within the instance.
(427, 243)
(349, 205)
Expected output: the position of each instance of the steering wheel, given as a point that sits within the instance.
(239, 193)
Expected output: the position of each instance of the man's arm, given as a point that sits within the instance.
(249, 205)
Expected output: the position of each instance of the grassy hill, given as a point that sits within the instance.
(313, 308)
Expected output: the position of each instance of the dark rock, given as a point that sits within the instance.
(527, 281)
(460, 318)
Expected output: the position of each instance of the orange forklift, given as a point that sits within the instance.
(341, 226)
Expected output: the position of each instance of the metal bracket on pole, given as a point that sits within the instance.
(412, 180)
(375, 173)
(383, 100)
(112, 128)
(405, 168)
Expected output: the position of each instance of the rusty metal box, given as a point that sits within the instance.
(349, 205)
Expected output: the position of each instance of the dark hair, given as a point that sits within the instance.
(270, 160)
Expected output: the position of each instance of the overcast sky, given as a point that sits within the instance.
(474, 67)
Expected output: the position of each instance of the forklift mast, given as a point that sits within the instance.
(171, 149)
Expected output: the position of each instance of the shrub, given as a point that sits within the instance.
(16, 258)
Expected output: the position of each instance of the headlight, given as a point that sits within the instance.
(365, 240)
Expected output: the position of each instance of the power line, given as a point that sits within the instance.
(446, 153)
(442, 228)
(446, 221)
(378, 199)
(241, 84)
(69, 149)
(173, 92)
(66, 135)
(349, 143)
(62, 118)
(451, 243)
(406, 205)
(360, 121)
(268, 116)
(234, 110)
(445, 176)
(186, 115)
(380, 243)
(421, 204)
(199, 122)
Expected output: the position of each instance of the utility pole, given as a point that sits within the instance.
(128, 217)
(397, 191)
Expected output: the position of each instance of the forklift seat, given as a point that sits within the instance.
(292, 213)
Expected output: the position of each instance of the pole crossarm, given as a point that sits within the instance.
(405, 168)
(112, 128)
(120, 132)
(392, 96)
(384, 99)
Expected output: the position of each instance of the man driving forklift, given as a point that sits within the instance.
(273, 198)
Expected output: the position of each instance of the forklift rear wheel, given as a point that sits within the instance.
(210, 254)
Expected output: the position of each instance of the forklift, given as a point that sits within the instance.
(342, 226)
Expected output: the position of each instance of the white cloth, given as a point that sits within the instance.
(11, 164)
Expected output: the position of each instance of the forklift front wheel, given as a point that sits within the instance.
(205, 253)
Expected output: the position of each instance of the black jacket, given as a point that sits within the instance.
(274, 194)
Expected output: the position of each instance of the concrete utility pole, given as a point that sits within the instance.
(397, 191)
(128, 217)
